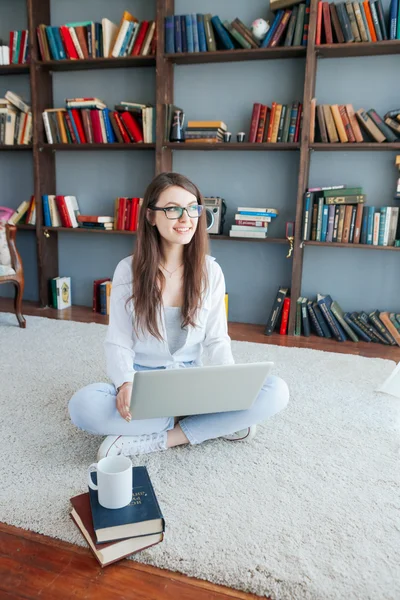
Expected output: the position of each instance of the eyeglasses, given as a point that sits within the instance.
(176, 212)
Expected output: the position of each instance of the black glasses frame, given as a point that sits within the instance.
(199, 207)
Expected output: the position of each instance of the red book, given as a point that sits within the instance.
(121, 214)
(62, 209)
(11, 46)
(132, 126)
(271, 121)
(285, 316)
(254, 122)
(134, 215)
(128, 211)
(95, 119)
(298, 121)
(327, 23)
(79, 125)
(121, 127)
(68, 43)
(251, 223)
(261, 123)
(143, 27)
(319, 24)
(109, 552)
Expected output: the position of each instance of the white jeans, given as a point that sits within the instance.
(93, 409)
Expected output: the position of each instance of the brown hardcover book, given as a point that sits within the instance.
(248, 31)
(80, 31)
(370, 127)
(312, 119)
(385, 318)
(346, 223)
(354, 123)
(342, 211)
(238, 25)
(107, 553)
(358, 223)
(255, 116)
(43, 44)
(321, 124)
(353, 199)
(336, 24)
(339, 123)
(327, 23)
(346, 123)
(87, 125)
(271, 121)
(330, 124)
(314, 222)
(275, 125)
(261, 123)
(393, 125)
(61, 126)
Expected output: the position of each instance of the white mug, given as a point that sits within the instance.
(114, 481)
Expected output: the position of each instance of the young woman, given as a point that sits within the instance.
(167, 306)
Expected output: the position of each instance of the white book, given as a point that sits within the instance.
(239, 217)
(73, 209)
(248, 234)
(133, 39)
(103, 128)
(47, 128)
(255, 209)
(393, 225)
(17, 101)
(54, 212)
(375, 236)
(19, 213)
(120, 38)
(387, 226)
(10, 126)
(63, 292)
(76, 43)
(109, 32)
(248, 228)
(149, 36)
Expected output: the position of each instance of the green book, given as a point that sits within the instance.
(356, 191)
(235, 34)
(79, 24)
(338, 313)
(298, 31)
(297, 328)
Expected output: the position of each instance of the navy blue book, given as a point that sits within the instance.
(201, 33)
(178, 33)
(356, 328)
(272, 29)
(184, 34)
(169, 35)
(324, 302)
(142, 516)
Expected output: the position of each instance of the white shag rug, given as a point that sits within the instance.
(309, 509)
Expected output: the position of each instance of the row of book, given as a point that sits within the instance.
(60, 292)
(17, 52)
(206, 33)
(278, 123)
(24, 214)
(252, 222)
(355, 22)
(325, 318)
(88, 39)
(339, 215)
(89, 121)
(15, 120)
(333, 123)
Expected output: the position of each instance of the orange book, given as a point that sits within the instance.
(346, 123)
(319, 24)
(354, 123)
(271, 121)
(275, 124)
(370, 22)
(339, 123)
(384, 317)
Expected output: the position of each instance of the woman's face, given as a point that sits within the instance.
(172, 229)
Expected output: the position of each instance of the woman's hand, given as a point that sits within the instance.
(124, 400)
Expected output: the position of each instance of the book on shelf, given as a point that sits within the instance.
(276, 310)
(353, 22)
(142, 517)
(275, 123)
(197, 32)
(100, 295)
(25, 213)
(100, 39)
(17, 52)
(15, 120)
(60, 288)
(111, 552)
(90, 121)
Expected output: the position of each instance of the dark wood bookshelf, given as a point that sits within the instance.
(355, 147)
(95, 147)
(233, 146)
(14, 69)
(382, 48)
(219, 56)
(25, 227)
(354, 246)
(15, 147)
(85, 64)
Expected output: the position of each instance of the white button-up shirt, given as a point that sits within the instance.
(124, 348)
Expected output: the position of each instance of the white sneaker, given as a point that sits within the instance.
(244, 435)
(130, 445)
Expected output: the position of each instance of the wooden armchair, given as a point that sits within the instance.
(15, 273)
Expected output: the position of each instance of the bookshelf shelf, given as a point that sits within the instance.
(219, 56)
(97, 63)
(87, 230)
(353, 246)
(233, 146)
(245, 239)
(382, 48)
(15, 147)
(354, 147)
(95, 147)
(14, 69)
(25, 227)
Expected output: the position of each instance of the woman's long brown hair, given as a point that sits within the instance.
(148, 279)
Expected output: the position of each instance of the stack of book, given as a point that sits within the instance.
(17, 52)
(88, 39)
(277, 123)
(340, 123)
(116, 534)
(15, 120)
(205, 131)
(101, 222)
(252, 222)
(338, 214)
(206, 33)
(25, 213)
(325, 317)
(60, 292)
(89, 121)
(356, 22)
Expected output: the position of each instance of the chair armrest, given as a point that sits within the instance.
(11, 233)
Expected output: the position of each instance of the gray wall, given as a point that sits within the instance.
(222, 91)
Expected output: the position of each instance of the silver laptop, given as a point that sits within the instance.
(196, 390)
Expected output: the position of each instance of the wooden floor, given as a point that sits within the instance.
(33, 565)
